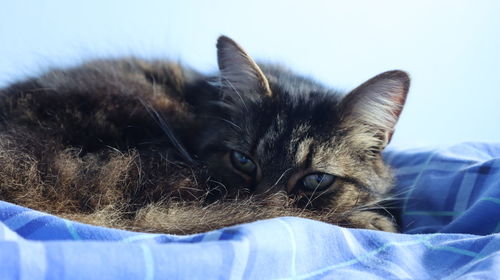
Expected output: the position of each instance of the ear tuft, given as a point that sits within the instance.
(376, 105)
(238, 70)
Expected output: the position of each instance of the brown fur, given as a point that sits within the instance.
(85, 144)
(94, 191)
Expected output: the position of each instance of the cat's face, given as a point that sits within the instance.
(274, 131)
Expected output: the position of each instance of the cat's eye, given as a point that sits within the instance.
(317, 181)
(242, 162)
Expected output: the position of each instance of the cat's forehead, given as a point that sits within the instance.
(288, 126)
(294, 139)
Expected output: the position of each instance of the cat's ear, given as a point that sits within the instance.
(372, 109)
(238, 70)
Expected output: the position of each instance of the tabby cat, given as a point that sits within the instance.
(156, 146)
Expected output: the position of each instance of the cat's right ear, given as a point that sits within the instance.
(371, 110)
(238, 70)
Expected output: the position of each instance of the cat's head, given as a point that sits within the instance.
(271, 130)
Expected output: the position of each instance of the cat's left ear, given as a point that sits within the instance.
(372, 109)
(238, 70)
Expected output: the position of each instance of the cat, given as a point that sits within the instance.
(158, 147)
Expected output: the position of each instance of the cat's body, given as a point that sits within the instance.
(156, 146)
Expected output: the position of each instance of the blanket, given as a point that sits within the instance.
(450, 218)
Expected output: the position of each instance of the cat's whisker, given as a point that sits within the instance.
(225, 120)
(357, 198)
(115, 149)
(236, 91)
(311, 198)
(333, 211)
(151, 142)
(389, 201)
(373, 206)
(271, 188)
(190, 191)
(390, 204)
(281, 176)
(224, 106)
(166, 129)
(219, 184)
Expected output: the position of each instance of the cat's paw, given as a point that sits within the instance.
(371, 220)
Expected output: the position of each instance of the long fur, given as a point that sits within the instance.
(146, 145)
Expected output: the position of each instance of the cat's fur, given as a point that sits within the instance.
(146, 145)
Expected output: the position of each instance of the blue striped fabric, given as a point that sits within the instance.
(450, 215)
